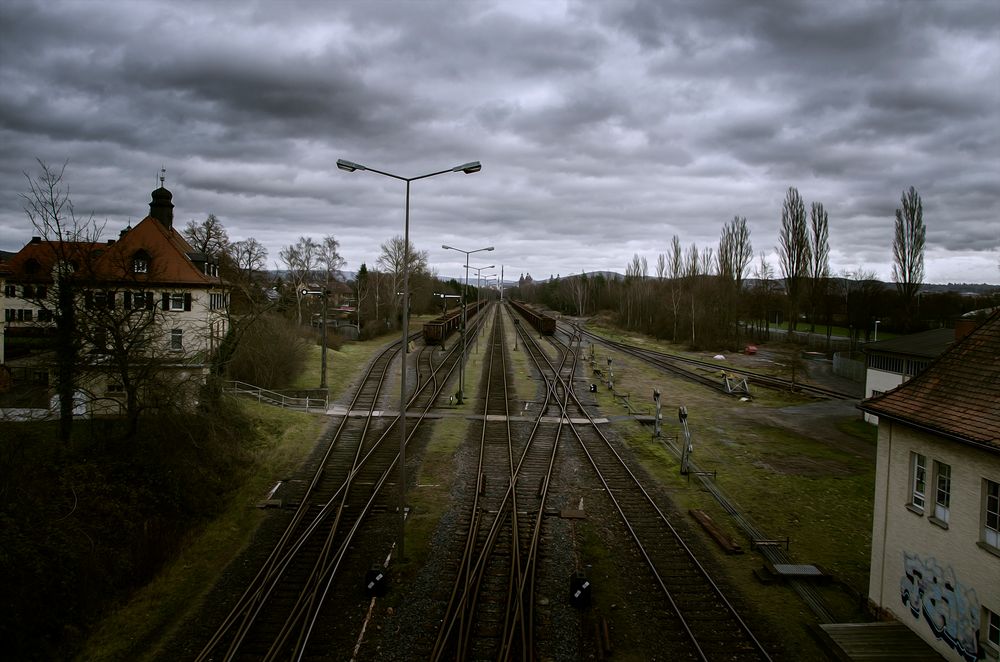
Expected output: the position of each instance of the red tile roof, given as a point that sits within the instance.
(166, 250)
(35, 261)
(957, 396)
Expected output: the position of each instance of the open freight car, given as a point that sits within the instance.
(542, 323)
(437, 330)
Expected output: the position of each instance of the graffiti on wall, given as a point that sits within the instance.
(950, 609)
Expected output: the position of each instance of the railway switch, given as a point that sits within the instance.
(376, 581)
(579, 590)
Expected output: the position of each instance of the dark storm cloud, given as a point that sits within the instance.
(604, 129)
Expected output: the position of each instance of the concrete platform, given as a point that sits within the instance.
(874, 642)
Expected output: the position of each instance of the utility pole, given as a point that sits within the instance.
(325, 293)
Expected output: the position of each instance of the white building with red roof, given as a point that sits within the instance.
(935, 560)
(147, 293)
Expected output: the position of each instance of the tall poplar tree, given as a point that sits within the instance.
(908, 251)
(793, 251)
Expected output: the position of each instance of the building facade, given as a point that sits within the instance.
(935, 563)
(142, 302)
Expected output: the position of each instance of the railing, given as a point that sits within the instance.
(275, 398)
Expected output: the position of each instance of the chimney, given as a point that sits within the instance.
(36, 240)
(161, 208)
(963, 327)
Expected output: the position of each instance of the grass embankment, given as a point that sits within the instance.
(138, 628)
(282, 440)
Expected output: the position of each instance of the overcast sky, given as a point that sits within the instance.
(604, 128)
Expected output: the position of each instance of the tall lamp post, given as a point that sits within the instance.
(467, 168)
(461, 365)
(479, 288)
(479, 274)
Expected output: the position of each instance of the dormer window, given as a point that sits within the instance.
(140, 263)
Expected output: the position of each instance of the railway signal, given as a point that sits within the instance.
(658, 420)
(682, 414)
(325, 293)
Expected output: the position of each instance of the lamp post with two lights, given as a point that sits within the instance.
(467, 168)
(461, 366)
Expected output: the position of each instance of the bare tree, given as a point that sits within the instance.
(735, 253)
(391, 260)
(819, 262)
(329, 259)
(675, 267)
(793, 252)
(208, 237)
(764, 292)
(863, 292)
(735, 250)
(301, 260)
(70, 238)
(248, 258)
(692, 270)
(579, 291)
(908, 251)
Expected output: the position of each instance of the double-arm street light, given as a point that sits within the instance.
(461, 365)
(467, 168)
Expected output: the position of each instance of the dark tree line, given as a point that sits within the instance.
(713, 296)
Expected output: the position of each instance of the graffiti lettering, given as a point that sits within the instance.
(950, 609)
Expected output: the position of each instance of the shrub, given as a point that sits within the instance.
(271, 354)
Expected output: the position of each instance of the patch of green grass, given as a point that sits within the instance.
(860, 429)
(343, 365)
(139, 628)
(803, 485)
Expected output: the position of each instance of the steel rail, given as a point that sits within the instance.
(668, 361)
(254, 597)
(674, 533)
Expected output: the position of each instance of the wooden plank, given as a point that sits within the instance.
(724, 541)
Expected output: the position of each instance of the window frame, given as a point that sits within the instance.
(177, 340)
(176, 302)
(991, 515)
(991, 632)
(918, 482)
(942, 488)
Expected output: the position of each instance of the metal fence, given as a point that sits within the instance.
(846, 364)
(276, 398)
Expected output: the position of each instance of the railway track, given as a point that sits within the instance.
(277, 615)
(489, 614)
(678, 365)
(703, 623)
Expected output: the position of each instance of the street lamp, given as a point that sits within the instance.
(479, 273)
(467, 168)
(461, 366)
(876, 330)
